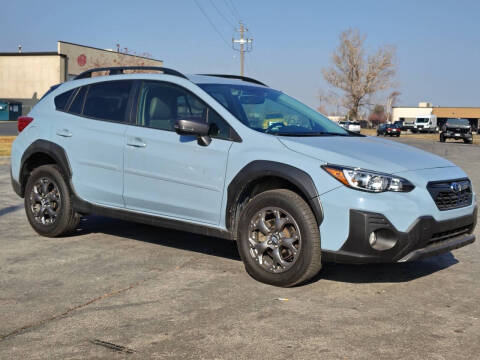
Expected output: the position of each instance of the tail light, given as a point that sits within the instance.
(23, 122)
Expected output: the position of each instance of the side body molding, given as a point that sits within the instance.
(262, 168)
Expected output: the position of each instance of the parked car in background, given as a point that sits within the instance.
(427, 123)
(353, 126)
(193, 153)
(409, 124)
(389, 129)
(457, 129)
(399, 123)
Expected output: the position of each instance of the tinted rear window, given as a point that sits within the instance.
(455, 122)
(108, 100)
(62, 100)
(77, 104)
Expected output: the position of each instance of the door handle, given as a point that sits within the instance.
(136, 142)
(64, 133)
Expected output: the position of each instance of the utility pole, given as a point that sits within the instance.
(245, 45)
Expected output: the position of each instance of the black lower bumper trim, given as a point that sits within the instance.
(439, 248)
(425, 237)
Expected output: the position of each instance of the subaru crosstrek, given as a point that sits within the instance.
(229, 157)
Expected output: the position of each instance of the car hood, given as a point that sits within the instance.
(367, 152)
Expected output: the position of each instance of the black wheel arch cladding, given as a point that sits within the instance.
(258, 169)
(50, 149)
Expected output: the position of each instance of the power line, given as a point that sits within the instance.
(221, 14)
(231, 9)
(235, 8)
(211, 23)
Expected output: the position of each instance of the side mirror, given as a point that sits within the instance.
(194, 126)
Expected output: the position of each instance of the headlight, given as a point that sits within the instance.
(367, 180)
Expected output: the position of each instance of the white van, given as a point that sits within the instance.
(426, 123)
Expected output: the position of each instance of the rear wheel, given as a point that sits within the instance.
(48, 203)
(468, 141)
(278, 239)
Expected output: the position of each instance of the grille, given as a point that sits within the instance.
(451, 194)
(445, 235)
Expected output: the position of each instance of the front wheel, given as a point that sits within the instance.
(278, 239)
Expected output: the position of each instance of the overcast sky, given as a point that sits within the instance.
(438, 42)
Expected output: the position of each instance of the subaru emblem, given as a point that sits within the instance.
(454, 186)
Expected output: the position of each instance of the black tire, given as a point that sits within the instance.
(468, 141)
(65, 219)
(305, 263)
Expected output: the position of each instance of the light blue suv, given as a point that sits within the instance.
(229, 157)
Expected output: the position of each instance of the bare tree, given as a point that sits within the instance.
(378, 116)
(358, 75)
(391, 102)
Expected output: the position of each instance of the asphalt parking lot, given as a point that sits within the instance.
(172, 295)
(8, 128)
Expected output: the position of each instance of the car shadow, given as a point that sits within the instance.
(370, 273)
(161, 236)
(386, 273)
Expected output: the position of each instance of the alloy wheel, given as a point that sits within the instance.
(275, 239)
(45, 201)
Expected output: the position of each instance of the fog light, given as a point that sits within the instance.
(382, 239)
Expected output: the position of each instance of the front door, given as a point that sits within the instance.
(169, 174)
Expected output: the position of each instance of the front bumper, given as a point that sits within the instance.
(426, 237)
(457, 135)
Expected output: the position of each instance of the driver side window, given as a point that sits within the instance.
(162, 104)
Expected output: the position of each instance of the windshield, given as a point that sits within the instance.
(271, 111)
(458, 122)
(422, 120)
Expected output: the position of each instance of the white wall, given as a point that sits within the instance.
(410, 112)
(29, 77)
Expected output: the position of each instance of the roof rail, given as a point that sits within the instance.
(244, 78)
(115, 70)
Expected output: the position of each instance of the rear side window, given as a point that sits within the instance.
(61, 100)
(108, 100)
(77, 104)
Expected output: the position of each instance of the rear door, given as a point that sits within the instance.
(92, 133)
(169, 174)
